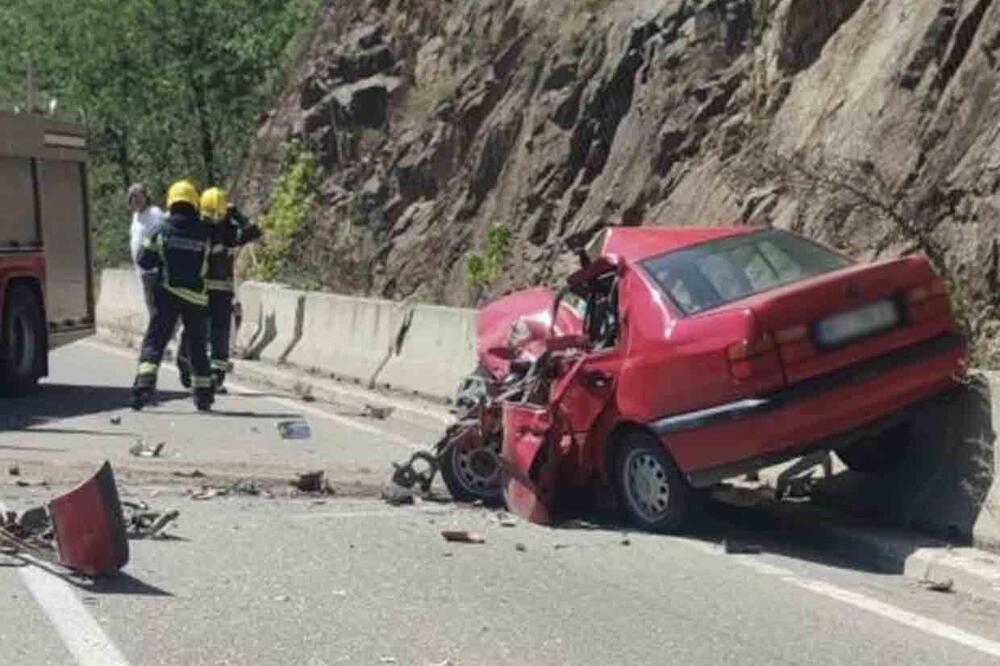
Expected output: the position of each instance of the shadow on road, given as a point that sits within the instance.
(52, 402)
(123, 584)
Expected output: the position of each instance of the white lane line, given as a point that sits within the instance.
(888, 611)
(293, 404)
(80, 632)
(919, 622)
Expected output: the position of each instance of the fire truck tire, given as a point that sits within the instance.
(653, 492)
(22, 341)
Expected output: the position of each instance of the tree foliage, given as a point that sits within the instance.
(169, 89)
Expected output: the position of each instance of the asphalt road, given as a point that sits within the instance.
(350, 580)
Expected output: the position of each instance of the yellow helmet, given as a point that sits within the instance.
(214, 202)
(183, 191)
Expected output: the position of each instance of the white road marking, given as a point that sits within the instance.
(888, 611)
(293, 404)
(80, 632)
(919, 622)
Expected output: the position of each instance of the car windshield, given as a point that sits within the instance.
(711, 274)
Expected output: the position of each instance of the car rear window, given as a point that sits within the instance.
(711, 274)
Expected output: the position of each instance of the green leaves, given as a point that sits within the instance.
(169, 89)
(482, 269)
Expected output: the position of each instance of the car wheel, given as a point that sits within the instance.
(880, 454)
(653, 492)
(472, 472)
(22, 341)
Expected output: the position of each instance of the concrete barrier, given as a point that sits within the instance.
(271, 324)
(121, 307)
(349, 338)
(437, 351)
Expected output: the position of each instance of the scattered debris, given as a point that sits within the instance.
(313, 482)
(520, 547)
(561, 546)
(446, 662)
(29, 483)
(341, 594)
(115, 420)
(308, 397)
(196, 474)
(143, 450)
(419, 470)
(387, 660)
(376, 412)
(463, 536)
(294, 430)
(741, 548)
(943, 585)
(207, 493)
(398, 496)
(14, 470)
(508, 522)
(282, 597)
(143, 523)
(626, 542)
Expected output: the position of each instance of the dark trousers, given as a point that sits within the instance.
(150, 281)
(167, 310)
(220, 326)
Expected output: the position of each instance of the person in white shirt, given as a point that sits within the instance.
(145, 219)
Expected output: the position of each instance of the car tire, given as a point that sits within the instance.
(22, 341)
(652, 491)
(472, 474)
(880, 454)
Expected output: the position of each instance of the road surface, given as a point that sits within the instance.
(348, 579)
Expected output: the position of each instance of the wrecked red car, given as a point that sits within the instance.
(678, 357)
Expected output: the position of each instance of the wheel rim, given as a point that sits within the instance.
(477, 468)
(647, 485)
(22, 345)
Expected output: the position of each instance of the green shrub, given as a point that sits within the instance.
(291, 207)
(482, 269)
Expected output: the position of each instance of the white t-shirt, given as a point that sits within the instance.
(143, 225)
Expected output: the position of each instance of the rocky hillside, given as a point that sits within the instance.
(871, 124)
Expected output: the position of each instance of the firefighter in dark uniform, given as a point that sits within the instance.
(230, 231)
(178, 252)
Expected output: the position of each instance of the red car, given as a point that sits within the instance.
(680, 356)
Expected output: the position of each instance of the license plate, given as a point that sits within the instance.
(847, 326)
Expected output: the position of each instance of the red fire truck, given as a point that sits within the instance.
(46, 278)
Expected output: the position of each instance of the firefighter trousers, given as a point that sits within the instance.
(220, 326)
(167, 310)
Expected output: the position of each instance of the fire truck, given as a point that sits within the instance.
(46, 275)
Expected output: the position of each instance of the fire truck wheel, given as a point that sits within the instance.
(653, 492)
(22, 341)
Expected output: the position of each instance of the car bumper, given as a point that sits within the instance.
(825, 412)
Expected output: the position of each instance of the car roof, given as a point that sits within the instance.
(638, 243)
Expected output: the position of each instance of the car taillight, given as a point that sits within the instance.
(795, 343)
(928, 301)
(756, 362)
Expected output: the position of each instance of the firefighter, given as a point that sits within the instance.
(178, 251)
(230, 231)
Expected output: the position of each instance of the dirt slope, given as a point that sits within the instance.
(871, 124)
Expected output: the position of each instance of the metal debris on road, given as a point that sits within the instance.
(626, 542)
(561, 546)
(141, 522)
(395, 495)
(520, 547)
(282, 597)
(207, 493)
(387, 660)
(142, 450)
(115, 420)
(741, 548)
(943, 585)
(196, 474)
(313, 482)
(14, 470)
(419, 471)
(30, 483)
(380, 413)
(463, 536)
(294, 430)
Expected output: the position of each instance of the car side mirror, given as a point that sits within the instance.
(564, 342)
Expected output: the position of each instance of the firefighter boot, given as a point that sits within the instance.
(204, 396)
(184, 368)
(144, 388)
(219, 381)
